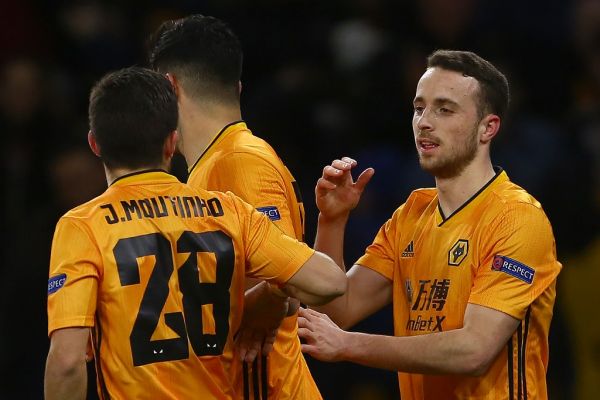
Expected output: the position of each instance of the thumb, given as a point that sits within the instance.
(364, 178)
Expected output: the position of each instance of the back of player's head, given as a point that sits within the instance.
(131, 113)
(494, 91)
(203, 53)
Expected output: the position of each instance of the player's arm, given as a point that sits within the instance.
(317, 282)
(336, 195)
(66, 374)
(271, 255)
(366, 293)
(469, 350)
(72, 292)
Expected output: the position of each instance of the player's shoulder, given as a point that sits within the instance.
(512, 204)
(421, 198)
(88, 209)
(416, 203)
(244, 144)
(509, 195)
(227, 198)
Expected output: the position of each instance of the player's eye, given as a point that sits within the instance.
(418, 110)
(444, 110)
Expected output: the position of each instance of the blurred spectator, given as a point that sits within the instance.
(75, 176)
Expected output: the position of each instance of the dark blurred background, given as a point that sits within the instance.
(322, 79)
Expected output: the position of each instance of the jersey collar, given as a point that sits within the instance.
(144, 176)
(501, 176)
(227, 129)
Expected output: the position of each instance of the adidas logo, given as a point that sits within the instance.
(409, 251)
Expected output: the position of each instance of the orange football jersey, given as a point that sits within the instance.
(158, 269)
(246, 165)
(497, 251)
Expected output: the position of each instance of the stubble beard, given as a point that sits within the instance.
(454, 164)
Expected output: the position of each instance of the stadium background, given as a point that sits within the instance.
(322, 79)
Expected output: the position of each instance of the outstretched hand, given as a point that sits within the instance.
(336, 192)
(324, 339)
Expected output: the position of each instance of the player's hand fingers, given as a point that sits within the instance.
(364, 178)
(350, 161)
(323, 188)
(293, 306)
(309, 349)
(305, 334)
(341, 165)
(252, 352)
(269, 341)
(242, 353)
(310, 314)
(325, 184)
(330, 172)
(303, 322)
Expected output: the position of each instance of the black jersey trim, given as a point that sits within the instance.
(264, 377)
(297, 191)
(509, 367)
(137, 173)
(519, 359)
(498, 171)
(213, 142)
(246, 383)
(97, 340)
(255, 379)
(523, 360)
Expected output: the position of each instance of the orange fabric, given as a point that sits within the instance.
(439, 265)
(240, 162)
(158, 269)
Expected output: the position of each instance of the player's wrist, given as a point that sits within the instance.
(339, 219)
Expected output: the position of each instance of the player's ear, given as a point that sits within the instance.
(171, 145)
(93, 144)
(488, 128)
(240, 87)
(174, 82)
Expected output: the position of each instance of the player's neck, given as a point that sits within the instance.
(200, 124)
(112, 174)
(454, 192)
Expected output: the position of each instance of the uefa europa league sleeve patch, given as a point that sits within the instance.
(513, 268)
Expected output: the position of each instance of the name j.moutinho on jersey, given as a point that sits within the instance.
(162, 206)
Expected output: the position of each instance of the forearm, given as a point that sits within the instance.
(65, 383)
(330, 238)
(451, 352)
(309, 298)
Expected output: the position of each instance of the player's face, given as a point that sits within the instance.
(446, 122)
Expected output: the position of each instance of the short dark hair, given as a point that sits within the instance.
(203, 52)
(494, 92)
(131, 113)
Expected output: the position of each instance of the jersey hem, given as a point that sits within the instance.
(75, 322)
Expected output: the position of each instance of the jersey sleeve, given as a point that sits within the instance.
(257, 182)
(73, 278)
(380, 255)
(270, 254)
(518, 261)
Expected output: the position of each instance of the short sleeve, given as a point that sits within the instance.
(270, 254)
(380, 255)
(518, 261)
(73, 278)
(256, 181)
